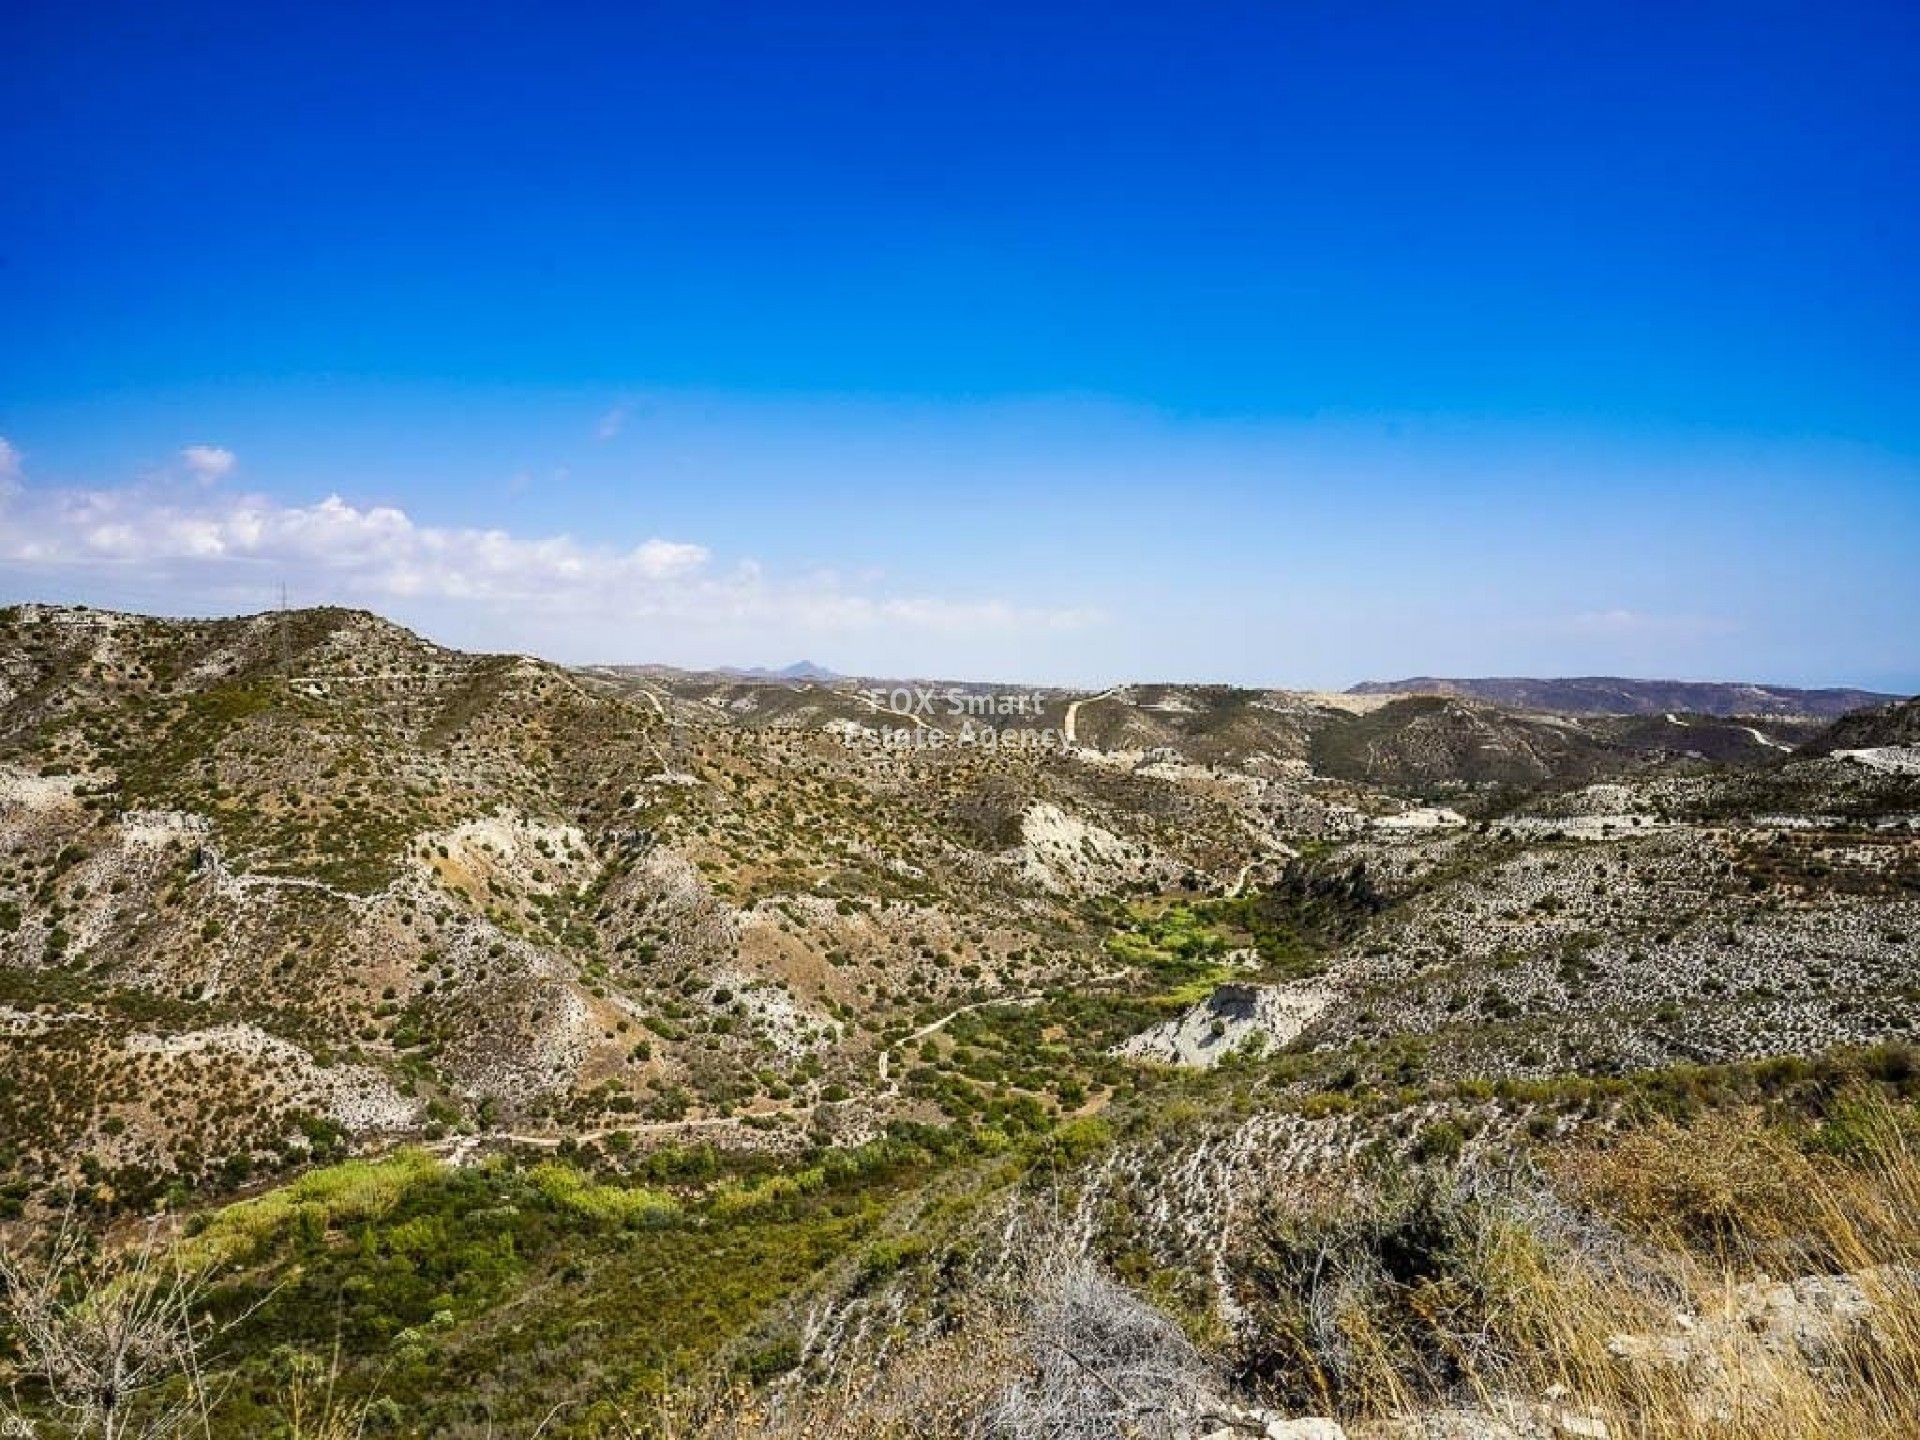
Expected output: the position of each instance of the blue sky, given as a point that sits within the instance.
(1285, 344)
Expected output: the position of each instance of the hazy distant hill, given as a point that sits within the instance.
(1612, 695)
(799, 670)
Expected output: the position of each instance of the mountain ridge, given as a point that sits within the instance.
(1622, 695)
(798, 670)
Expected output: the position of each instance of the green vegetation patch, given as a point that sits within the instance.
(496, 1293)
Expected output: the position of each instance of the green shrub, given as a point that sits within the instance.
(611, 1204)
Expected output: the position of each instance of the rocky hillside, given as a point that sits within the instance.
(339, 877)
(347, 882)
(1895, 726)
(573, 1042)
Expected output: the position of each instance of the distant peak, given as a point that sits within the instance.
(799, 670)
(807, 670)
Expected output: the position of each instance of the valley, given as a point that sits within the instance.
(620, 1050)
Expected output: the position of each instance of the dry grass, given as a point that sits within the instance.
(1723, 1186)
(1729, 1204)
(1654, 1304)
(1629, 1286)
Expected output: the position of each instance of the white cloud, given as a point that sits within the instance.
(613, 422)
(199, 546)
(10, 472)
(659, 559)
(208, 463)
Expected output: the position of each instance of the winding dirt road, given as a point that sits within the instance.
(1073, 713)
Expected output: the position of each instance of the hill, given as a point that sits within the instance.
(1884, 727)
(1612, 695)
(555, 1046)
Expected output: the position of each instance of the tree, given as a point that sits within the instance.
(114, 1335)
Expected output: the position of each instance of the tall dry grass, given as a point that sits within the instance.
(1735, 1209)
(1647, 1289)
(1642, 1283)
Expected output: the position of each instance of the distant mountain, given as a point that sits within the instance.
(799, 670)
(1612, 695)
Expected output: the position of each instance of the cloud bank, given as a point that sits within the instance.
(205, 547)
(208, 463)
